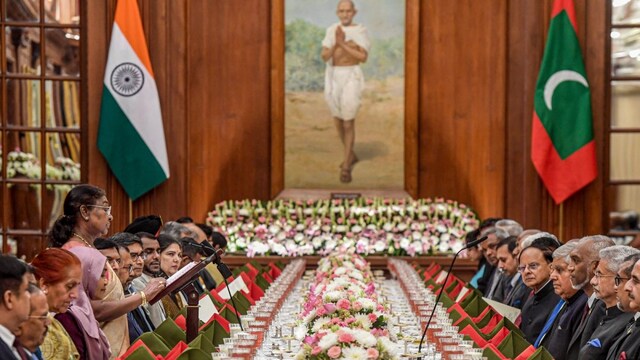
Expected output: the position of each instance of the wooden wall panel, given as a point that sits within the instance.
(228, 104)
(477, 72)
(462, 102)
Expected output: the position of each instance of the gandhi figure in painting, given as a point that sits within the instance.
(345, 46)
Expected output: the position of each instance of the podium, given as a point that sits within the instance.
(183, 281)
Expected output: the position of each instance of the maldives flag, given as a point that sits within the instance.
(131, 136)
(562, 145)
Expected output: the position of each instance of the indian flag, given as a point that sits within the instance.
(131, 136)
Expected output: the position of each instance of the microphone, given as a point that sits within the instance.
(469, 245)
(475, 242)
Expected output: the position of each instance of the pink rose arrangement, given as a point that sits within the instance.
(343, 317)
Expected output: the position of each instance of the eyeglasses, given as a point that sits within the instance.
(599, 275)
(532, 267)
(618, 280)
(135, 256)
(107, 209)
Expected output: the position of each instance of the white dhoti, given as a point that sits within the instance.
(343, 90)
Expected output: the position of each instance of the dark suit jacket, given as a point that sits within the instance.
(604, 336)
(6, 352)
(518, 295)
(502, 287)
(627, 343)
(564, 326)
(585, 329)
(536, 311)
(485, 281)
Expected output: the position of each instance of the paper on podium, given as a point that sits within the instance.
(207, 309)
(235, 286)
(179, 280)
(507, 311)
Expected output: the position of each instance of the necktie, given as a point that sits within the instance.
(20, 349)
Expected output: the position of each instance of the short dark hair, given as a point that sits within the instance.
(145, 234)
(471, 236)
(165, 240)
(12, 272)
(104, 244)
(488, 222)
(510, 241)
(208, 230)
(218, 239)
(185, 220)
(125, 239)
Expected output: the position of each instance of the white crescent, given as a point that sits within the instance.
(556, 79)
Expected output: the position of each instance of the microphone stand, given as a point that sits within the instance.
(224, 270)
(215, 257)
(470, 245)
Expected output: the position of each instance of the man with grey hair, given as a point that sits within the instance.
(582, 265)
(542, 234)
(629, 336)
(177, 230)
(511, 227)
(558, 330)
(612, 325)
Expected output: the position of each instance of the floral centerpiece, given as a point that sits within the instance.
(343, 318)
(370, 226)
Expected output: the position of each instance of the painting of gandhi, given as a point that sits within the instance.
(344, 65)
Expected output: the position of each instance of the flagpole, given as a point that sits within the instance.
(561, 230)
(130, 211)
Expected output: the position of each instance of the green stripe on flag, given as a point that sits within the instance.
(128, 156)
(568, 123)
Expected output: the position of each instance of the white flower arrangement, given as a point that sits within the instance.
(25, 164)
(374, 226)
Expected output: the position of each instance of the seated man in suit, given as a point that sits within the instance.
(33, 331)
(535, 268)
(14, 306)
(614, 322)
(513, 290)
(558, 331)
(624, 304)
(583, 261)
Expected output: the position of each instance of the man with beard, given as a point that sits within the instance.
(557, 332)
(629, 337)
(612, 325)
(151, 268)
(32, 332)
(583, 262)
